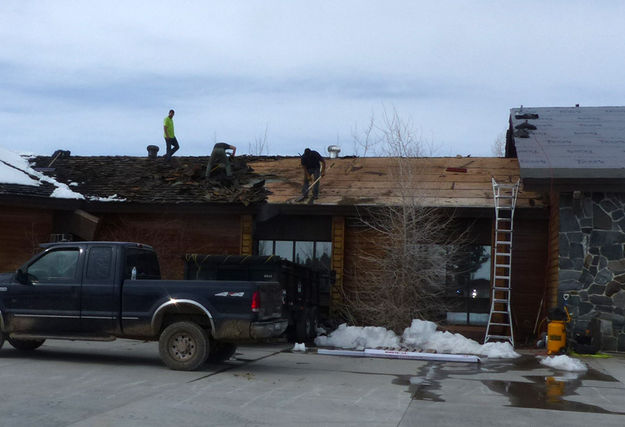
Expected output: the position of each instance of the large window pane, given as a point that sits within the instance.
(304, 252)
(265, 247)
(468, 287)
(323, 255)
(284, 249)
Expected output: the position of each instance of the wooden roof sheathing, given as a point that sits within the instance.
(374, 181)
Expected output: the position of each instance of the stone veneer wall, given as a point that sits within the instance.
(592, 262)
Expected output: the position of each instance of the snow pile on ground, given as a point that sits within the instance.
(299, 347)
(421, 334)
(359, 338)
(564, 363)
(15, 169)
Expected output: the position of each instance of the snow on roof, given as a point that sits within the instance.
(15, 169)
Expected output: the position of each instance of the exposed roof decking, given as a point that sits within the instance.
(371, 181)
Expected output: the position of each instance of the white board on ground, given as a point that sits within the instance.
(396, 354)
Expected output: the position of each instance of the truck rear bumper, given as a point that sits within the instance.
(269, 329)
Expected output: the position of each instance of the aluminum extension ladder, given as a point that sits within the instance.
(500, 318)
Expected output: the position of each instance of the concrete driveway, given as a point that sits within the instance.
(124, 383)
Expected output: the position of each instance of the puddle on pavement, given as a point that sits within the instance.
(543, 392)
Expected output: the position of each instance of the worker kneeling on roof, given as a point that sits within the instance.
(311, 163)
(220, 157)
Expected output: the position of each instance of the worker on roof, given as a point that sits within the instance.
(312, 163)
(219, 156)
(170, 138)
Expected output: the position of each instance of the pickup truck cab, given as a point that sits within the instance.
(108, 290)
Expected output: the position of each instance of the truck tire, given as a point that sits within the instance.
(1, 339)
(25, 345)
(221, 351)
(183, 346)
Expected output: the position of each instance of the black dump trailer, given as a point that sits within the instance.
(306, 292)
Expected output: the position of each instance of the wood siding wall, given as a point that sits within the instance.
(247, 239)
(338, 262)
(21, 231)
(174, 235)
(529, 270)
(553, 267)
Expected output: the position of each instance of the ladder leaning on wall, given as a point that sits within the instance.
(500, 317)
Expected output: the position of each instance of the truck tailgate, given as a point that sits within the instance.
(270, 294)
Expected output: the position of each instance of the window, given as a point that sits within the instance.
(468, 287)
(99, 263)
(310, 253)
(57, 266)
(145, 263)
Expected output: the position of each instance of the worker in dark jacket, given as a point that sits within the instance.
(219, 156)
(312, 163)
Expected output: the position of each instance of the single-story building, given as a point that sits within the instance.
(173, 207)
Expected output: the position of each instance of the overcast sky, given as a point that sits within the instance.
(99, 77)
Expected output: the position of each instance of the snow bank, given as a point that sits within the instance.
(357, 337)
(421, 334)
(564, 363)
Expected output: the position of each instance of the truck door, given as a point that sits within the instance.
(50, 300)
(99, 303)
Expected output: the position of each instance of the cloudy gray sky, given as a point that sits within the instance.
(98, 77)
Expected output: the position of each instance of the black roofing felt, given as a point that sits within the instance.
(145, 180)
(575, 142)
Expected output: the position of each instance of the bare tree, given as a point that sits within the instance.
(499, 145)
(404, 249)
(260, 144)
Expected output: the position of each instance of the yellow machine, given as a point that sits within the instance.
(556, 334)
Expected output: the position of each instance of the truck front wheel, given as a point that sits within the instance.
(183, 346)
(25, 345)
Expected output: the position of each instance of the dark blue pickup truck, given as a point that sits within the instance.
(108, 290)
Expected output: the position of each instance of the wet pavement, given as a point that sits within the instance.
(518, 392)
(124, 383)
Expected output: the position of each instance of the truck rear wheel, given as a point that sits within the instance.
(25, 345)
(183, 346)
(221, 351)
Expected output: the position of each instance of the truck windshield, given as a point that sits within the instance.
(144, 262)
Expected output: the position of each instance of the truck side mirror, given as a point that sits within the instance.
(21, 276)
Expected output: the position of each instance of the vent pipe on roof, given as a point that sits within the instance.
(152, 151)
(334, 151)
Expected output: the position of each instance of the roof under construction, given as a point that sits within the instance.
(376, 181)
(569, 143)
(349, 181)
